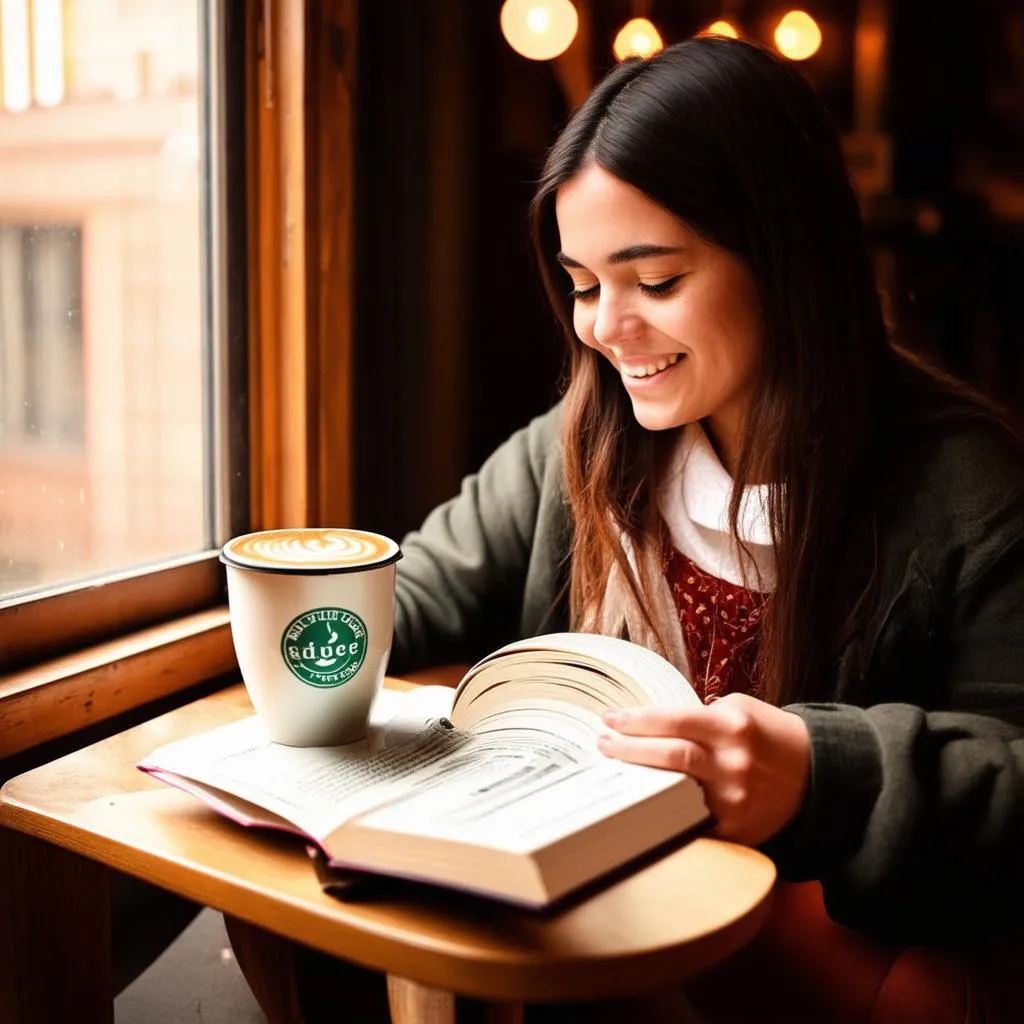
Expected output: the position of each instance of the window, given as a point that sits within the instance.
(105, 354)
(41, 380)
(170, 166)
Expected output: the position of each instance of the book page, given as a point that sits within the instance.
(526, 777)
(317, 788)
(400, 715)
(661, 683)
(535, 685)
(589, 670)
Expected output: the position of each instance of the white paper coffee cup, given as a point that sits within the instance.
(312, 618)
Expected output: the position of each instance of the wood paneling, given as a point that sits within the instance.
(51, 899)
(300, 96)
(329, 197)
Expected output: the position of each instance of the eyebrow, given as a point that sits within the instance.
(631, 252)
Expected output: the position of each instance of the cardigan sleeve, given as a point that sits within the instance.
(914, 820)
(913, 825)
(461, 578)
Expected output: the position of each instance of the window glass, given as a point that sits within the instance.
(104, 455)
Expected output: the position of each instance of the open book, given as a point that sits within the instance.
(497, 786)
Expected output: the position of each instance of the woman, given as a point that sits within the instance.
(738, 428)
(826, 537)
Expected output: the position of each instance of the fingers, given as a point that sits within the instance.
(658, 752)
(705, 725)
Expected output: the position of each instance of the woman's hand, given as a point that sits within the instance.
(752, 759)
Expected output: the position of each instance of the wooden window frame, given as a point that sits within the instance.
(302, 100)
(82, 654)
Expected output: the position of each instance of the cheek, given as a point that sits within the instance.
(720, 331)
(743, 343)
(741, 323)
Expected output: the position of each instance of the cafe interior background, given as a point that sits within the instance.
(105, 338)
(117, 301)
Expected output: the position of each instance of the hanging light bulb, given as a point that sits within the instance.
(539, 29)
(637, 38)
(797, 35)
(722, 28)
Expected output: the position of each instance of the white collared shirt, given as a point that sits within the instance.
(694, 502)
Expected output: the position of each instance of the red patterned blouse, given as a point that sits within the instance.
(721, 624)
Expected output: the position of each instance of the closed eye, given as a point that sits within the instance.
(662, 287)
(654, 290)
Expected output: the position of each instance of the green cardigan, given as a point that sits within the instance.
(914, 819)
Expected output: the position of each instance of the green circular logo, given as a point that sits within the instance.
(325, 646)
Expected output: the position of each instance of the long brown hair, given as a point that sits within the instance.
(734, 142)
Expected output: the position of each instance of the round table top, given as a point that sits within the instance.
(668, 919)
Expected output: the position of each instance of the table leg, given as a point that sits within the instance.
(413, 1003)
(267, 963)
(54, 934)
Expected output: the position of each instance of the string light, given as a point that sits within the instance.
(539, 29)
(637, 38)
(797, 35)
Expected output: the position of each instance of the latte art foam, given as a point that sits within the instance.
(310, 549)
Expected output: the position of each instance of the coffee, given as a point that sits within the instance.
(312, 613)
(310, 550)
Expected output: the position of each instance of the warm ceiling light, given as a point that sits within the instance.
(637, 38)
(722, 28)
(797, 35)
(539, 29)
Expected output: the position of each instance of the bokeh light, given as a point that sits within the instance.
(797, 35)
(637, 38)
(539, 29)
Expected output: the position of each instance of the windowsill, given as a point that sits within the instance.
(42, 628)
(69, 693)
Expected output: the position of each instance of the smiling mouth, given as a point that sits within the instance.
(651, 369)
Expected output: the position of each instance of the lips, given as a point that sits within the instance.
(640, 376)
(639, 371)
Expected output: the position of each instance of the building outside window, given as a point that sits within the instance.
(41, 379)
(104, 352)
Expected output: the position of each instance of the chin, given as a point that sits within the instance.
(656, 416)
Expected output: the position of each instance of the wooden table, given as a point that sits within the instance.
(67, 824)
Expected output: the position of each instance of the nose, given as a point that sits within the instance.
(615, 322)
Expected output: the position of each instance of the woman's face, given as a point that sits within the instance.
(676, 316)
